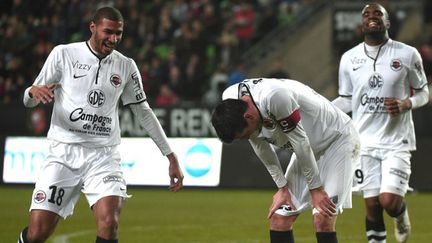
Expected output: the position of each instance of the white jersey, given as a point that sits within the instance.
(88, 93)
(392, 71)
(294, 117)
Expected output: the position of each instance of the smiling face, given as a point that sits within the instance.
(106, 35)
(375, 23)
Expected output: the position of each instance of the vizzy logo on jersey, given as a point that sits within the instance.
(81, 66)
(376, 81)
(96, 98)
(358, 61)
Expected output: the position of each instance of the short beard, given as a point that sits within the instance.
(376, 35)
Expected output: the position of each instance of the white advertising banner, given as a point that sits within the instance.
(142, 162)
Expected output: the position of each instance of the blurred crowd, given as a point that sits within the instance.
(186, 50)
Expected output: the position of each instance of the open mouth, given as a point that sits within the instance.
(109, 46)
(373, 24)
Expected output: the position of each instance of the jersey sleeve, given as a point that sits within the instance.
(284, 106)
(133, 92)
(51, 72)
(268, 157)
(345, 84)
(150, 123)
(416, 74)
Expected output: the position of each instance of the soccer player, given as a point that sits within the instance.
(290, 115)
(86, 81)
(380, 82)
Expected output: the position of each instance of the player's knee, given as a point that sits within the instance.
(323, 223)
(281, 223)
(38, 233)
(392, 204)
(108, 227)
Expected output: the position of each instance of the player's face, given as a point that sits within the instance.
(106, 35)
(253, 121)
(246, 133)
(374, 20)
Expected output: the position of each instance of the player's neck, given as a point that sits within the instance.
(374, 40)
(92, 45)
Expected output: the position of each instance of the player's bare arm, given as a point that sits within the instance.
(175, 173)
(322, 202)
(43, 93)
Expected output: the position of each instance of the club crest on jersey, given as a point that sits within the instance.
(39, 196)
(115, 80)
(376, 81)
(96, 98)
(269, 123)
(396, 64)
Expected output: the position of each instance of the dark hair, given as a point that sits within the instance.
(228, 119)
(110, 13)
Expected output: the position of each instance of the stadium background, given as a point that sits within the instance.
(187, 52)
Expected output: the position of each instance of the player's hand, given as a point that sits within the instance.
(43, 93)
(322, 202)
(394, 106)
(175, 173)
(281, 197)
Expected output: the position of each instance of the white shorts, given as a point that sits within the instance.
(70, 169)
(336, 168)
(384, 170)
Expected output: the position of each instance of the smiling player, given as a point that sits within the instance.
(376, 79)
(86, 81)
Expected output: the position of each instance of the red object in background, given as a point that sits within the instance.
(38, 121)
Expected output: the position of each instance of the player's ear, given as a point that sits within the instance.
(249, 116)
(92, 27)
(387, 23)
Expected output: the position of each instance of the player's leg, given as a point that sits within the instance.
(336, 167)
(370, 160)
(105, 190)
(107, 213)
(325, 228)
(375, 226)
(54, 197)
(282, 221)
(396, 171)
(41, 226)
(56, 192)
(281, 228)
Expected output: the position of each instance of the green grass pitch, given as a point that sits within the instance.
(197, 215)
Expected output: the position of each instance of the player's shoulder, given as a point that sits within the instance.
(402, 46)
(355, 50)
(120, 56)
(70, 47)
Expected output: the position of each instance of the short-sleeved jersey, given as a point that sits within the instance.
(393, 72)
(283, 103)
(88, 93)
